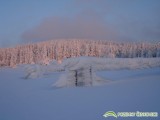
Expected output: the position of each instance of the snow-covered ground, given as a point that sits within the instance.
(133, 86)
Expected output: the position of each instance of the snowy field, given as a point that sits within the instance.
(131, 85)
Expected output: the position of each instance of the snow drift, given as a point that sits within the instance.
(81, 71)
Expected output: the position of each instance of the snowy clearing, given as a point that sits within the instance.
(131, 90)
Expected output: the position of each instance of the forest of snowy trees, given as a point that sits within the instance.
(44, 52)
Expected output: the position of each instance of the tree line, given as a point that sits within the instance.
(44, 52)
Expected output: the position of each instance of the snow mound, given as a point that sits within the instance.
(82, 71)
(33, 71)
(39, 70)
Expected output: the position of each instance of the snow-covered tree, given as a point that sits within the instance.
(43, 52)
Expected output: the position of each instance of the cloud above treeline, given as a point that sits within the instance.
(92, 23)
(87, 25)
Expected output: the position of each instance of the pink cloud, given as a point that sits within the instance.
(87, 27)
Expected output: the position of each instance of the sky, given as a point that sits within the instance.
(27, 21)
